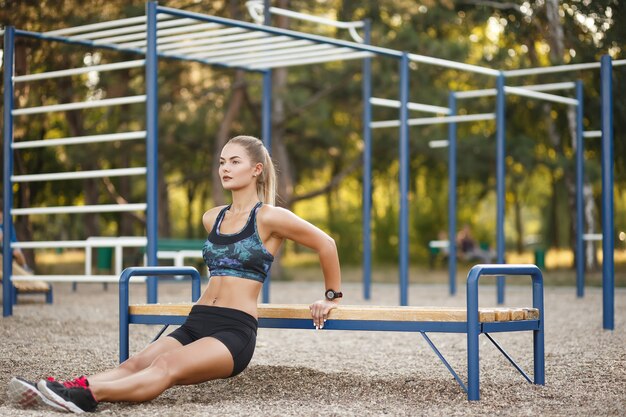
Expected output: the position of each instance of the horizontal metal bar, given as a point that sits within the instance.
(367, 325)
(592, 236)
(235, 47)
(444, 143)
(307, 61)
(203, 38)
(539, 95)
(453, 64)
(558, 68)
(566, 85)
(103, 25)
(140, 38)
(101, 173)
(99, 208)
(536, 87)
(82, 70)
(238, 52)
(92, 242)
(383, 102)
(435, 120)
(131, 29)
(297, 56)
(80, 105)
(77, 140)
(257, 15)
(487, 92)
(510, 326)
(247, 58)
(284, 32)
(74, 278)
(89, 44)
(164, 319)
(592, 134)
(222, 43)
(201, 31)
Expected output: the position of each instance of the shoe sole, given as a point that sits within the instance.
(25, 395)
(53, 396)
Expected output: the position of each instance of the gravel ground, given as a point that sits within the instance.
(301, 372)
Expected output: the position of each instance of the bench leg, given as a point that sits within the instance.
(49, 297)
(539, 356)
(473, 369)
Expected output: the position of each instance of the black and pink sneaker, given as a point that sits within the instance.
(25, 394)
(76, 399)
(81, 381)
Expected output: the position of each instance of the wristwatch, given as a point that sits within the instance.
(332, 294)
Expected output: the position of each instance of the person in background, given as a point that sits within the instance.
(20, 267)
(469, 249)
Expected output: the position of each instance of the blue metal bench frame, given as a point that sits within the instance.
(473, 328)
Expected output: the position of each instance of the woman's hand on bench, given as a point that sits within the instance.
(320, 310)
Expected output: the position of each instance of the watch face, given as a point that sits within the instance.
(330, 294)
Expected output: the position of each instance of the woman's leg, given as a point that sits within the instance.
(200, 361)
(137, 362)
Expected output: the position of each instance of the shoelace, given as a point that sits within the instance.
(80, 382)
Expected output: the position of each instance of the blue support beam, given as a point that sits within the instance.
(452, 134)
(500, 179)
(7, 190)
(266, 125)
(403, 231)
(152, 148)
(608, 238)
(367, 167)
(266, 133)
(580, 175)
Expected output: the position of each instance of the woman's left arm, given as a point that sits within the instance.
(286, 225)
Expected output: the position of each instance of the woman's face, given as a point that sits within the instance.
(236, 169)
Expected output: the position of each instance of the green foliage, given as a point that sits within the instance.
(322, 126)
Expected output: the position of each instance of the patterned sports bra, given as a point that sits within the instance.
(240, 254)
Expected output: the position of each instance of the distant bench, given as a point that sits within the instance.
(31, 287)
(472, 321)
(179, 249)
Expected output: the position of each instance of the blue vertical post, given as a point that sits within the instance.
(608, 238)
(7, 190)
(580, 173)
(266, 133)
(367, 167)
(266, 123)
(500, 180)
(452, 133)
(152, 147)
(404, 179)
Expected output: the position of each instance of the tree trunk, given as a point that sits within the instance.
(557, 47)
(279, 150)
(555, 37)
(519, 224)
(224, 132)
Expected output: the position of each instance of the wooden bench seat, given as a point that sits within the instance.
(31, 287)
(472, 321)
(357, 312)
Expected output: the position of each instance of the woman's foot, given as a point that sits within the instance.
(25, 394)
(76, 399)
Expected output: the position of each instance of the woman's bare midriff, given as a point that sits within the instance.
(232, 292)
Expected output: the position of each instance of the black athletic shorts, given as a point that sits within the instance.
(234, 328)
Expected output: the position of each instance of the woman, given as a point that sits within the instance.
(219, 335)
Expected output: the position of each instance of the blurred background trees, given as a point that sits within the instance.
(317, 122)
